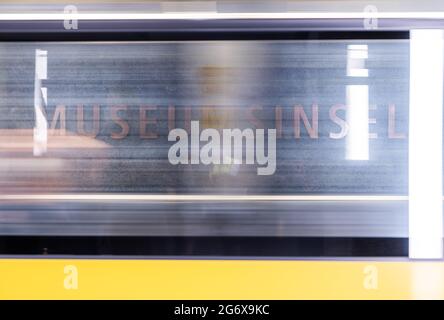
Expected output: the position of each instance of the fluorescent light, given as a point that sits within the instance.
(425, 144)
(357, 104)
(357, 147)
(220, 15)
(40, 100)
(356, 56)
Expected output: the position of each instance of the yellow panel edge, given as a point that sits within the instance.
(219, 279)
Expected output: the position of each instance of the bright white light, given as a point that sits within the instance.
(357, 119)
(357, 104)
(425, 144)
(356, 56)
(40, 100)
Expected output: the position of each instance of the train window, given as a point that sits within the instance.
(210, 147)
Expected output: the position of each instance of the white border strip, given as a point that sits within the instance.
(219, 15)
(175, 197)
(425, 144)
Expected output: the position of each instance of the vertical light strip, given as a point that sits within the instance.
(40, 101)
(425, 144)
(357, 105)
(357, 119)
(356, 56)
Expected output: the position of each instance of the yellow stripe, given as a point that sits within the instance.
(206, 279)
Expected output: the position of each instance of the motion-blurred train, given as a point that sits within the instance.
(85, 115)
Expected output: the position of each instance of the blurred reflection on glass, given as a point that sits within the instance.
(110, 107)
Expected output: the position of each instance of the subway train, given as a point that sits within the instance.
(228, 136)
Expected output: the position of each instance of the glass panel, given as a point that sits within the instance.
(111, 106)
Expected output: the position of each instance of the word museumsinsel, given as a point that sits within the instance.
(152, 122)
